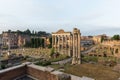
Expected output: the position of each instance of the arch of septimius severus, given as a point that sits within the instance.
(68, 43)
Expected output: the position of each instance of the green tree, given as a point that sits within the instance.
(32, 42)
(33, 32)
(19, 32)
(102, 39)
(3, 66)
(42, 43)
(27, 32)
(116, 37)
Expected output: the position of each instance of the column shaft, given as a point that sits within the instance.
(66, 51)
(79, 49)
(55, 44)
(52, 41)
(62, 44)
(59, 44)
(73, 60)
(69, 44)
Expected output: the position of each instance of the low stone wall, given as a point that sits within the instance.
(13, 72)
(44, 73)
(38, 72)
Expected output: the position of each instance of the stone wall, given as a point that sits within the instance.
(46, 73)
(37, 72)
(13, 72)
(111, 42)
(40, 73)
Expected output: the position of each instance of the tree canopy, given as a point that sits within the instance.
(33, 33)
(116, 37)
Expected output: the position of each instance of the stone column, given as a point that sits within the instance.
(55, 44)
(69, 44)
(73, 60)
(76, 47)
(58, 44)
(62, 44)
(79, 48)
(66, 51)
(76, 50)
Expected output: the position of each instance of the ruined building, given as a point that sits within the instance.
(68, 43)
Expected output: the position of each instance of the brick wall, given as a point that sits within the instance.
(41, 75)
(10, 74)
(32, 70)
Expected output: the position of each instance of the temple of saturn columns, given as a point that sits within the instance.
(68, 43)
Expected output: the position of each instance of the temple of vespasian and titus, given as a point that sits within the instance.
(68, 43)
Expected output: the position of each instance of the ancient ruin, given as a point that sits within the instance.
(68, 43)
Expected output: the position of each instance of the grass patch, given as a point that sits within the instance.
(44, 62)
(90, 59)
(96, 71)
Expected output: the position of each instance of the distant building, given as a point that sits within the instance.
(9, 39)
(13, 40)
(86, 37)
(108, 48)
(23, 39)
(98, 39)
(86, 42)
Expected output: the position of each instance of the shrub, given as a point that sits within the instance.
(59, 58)
(43, 63)
(52, 52)
(3, 66)
(90, 58)
(25, 58)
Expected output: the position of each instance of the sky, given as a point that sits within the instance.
(92, 17)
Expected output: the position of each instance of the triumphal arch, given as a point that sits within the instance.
(68, 43)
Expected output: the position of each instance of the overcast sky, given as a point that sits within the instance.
(51, 15)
